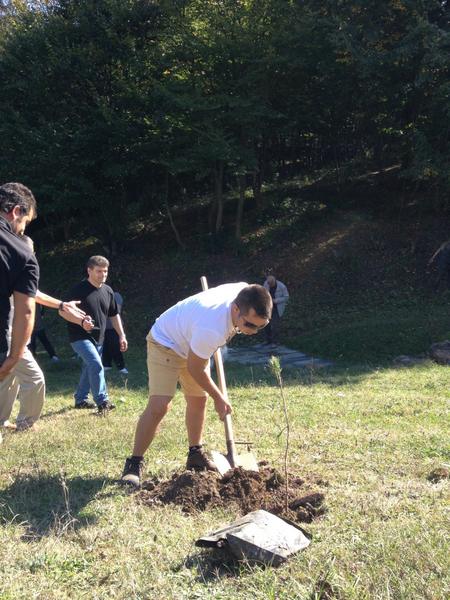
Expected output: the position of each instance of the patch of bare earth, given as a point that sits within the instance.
(246, 490)
(438, 475)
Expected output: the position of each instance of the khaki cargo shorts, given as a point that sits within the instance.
(165, 369)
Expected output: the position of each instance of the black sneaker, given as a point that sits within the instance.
(104, 408)
(198, 460)
(132, 472)
(85, 404)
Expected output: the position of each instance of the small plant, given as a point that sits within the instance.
(275, 367)
(66, 521)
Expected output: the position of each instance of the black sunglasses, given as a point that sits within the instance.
(253, 326)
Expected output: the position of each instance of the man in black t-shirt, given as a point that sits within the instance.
(19, 273)
(98, 301)
(26, 378)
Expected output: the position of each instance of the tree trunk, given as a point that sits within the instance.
(240, 208)
(218, 192)
(67, 223)
(169, 212)
(257, 186)
(258, 173)
(338, 169)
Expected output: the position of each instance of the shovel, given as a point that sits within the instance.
(232, 459)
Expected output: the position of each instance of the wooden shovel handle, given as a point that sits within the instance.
(229, 435)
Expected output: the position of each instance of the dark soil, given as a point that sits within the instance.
(438, 475)
(247, 490)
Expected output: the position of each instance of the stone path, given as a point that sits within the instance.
(259, 354)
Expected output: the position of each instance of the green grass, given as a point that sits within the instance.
(374, 334)
(372, 434)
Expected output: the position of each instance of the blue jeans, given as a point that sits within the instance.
(92, 373)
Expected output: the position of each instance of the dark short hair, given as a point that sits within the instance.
(16, 194)
(257, 297)
(97, 261)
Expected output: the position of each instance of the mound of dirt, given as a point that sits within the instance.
(247, 490)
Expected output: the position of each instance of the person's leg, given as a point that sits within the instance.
(148, 423)
(146, 429)
(195, 419)
(8, 393)
(275, 326)
(107, 349)
(196, 399)
(163, 371)
(82, 391)
(42, 335)
(32, 390)
(92, 374)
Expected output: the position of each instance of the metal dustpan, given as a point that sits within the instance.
(259, 537)
(231, 460)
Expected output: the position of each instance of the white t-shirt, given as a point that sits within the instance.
(201, 322)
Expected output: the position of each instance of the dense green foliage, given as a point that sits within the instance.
(136, 106)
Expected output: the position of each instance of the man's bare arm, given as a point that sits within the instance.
(22, 328)
(117, 324)
(67, 310)
(197, 368)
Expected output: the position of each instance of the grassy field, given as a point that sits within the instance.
(369, 437)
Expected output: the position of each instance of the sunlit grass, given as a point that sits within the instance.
(369, 437)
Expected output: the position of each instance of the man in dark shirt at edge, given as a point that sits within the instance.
(19, 272)
(98, 301)
(19, 276)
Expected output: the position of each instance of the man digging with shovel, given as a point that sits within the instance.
(179, 346)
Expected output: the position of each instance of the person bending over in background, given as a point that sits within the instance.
(280, 297)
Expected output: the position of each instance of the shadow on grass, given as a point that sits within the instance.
(49, 504)
(215, 564)
(55, 413)
(257, 375)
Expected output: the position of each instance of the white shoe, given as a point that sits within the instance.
(124, 371)
(107, 368)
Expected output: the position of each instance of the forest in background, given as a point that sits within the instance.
(119, 112)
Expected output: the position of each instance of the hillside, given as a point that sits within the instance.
(360, 290)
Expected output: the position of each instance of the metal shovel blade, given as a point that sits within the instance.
(259, 537)
(246, 461)
(221, 461)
